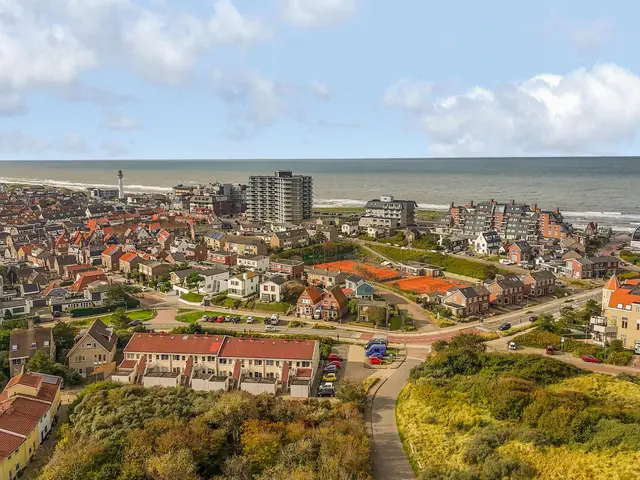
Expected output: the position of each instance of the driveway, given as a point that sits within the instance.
(389, 459)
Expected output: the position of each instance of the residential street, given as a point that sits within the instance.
(389, 459)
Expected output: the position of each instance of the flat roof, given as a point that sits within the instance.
(162, 374)
(259, 380)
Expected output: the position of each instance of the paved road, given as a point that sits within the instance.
(389, 459)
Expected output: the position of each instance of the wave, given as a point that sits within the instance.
(617, 216)
(85, 186)
(348, 202)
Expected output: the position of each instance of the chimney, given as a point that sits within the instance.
(452, 205)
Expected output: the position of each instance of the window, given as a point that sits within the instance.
(210, 358)
(258, 362)
(164, 357)
(269, 363)
(625, 322)
(223, 361)
(305, 364)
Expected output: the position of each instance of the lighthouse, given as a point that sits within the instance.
(120, 185)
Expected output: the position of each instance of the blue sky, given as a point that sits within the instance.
(99, 79)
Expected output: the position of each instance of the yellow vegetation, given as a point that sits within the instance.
(603, 387)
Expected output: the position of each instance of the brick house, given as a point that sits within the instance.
(94, 347)
(290, 268)
(224, 258)
(334, 304)
(591, 267)
(111, 257)
(308, 301)
(506, 290)
(539, 283)
(467, 300)
(129, 262)
(289, 239)
(520, 251)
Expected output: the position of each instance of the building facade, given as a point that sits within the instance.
(280, 198)
(389, 212)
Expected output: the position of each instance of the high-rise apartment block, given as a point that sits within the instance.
(281, 198)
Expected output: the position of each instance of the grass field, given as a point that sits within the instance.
(143, 315)
(427, 284)
(350, 266)
(191, 297)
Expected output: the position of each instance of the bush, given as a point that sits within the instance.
(295, 323)
(619, 358)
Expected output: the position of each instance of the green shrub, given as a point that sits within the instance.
(484, 444)
(619, 358)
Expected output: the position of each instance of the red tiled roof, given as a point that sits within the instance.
(314, 294)
(8, 444)
(110, 250)
(22, 416)
(267, 348)
(127, 257)
(176, 343)
(303, 372)
(85, 278)
(612, 284)
(285, 373)
(127, 364)
(25, 379)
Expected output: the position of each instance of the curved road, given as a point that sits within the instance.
(389, 459)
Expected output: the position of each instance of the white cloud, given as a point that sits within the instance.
(73, 143)
(47, 44)
(121, 122)
(317, 13)
(408, 94)
(580, 112)
(12, 104)
(321, 90)
(590, 38)
(13, 142)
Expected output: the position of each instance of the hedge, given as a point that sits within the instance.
(83, 312)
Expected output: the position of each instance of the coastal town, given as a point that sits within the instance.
(223, 287)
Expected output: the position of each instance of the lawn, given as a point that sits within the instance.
(277, 307)
(194, 316)
(459, 266)
(192, 297)
(143, 315)
(395, 322)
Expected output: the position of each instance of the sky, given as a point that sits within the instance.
(227, 79)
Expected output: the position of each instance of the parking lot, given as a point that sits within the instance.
(352, 363)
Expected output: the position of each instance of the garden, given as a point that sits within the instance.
(467, 414)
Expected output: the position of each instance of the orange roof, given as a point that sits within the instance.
(110, 250)
(314, 294)
(85, 278)
(613, 284)
(9, 443)
(25, 379)
(61, 239)
(127, 257)
(174, 343)
(107, 230)
(27, 249)
(624, 297)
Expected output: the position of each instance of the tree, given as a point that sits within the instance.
(120, 319)
(8, 315)
(41, 362)
(353, 306)
(377, 315)
(319, 238)
(352, 392)
(193, 280)
(490, 272)
(546, 323)
(4, 339)
(446, 243)
(63, 337)
(118, 294)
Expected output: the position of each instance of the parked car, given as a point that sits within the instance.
(331, 368)
(220, 319)
(205, 318)
(533, 318)
(550, 350)
(376, 341)
(334, 356)
(57, 314)
(336, 363)
(275, 318)
(376, 348)
(590, 359)
(135, 323)
(327, 392)
(513, 346)
(329, 377)
(249, 320)
(270, 328)
(324, 385)
(504, 327)
(377, 355)
(235, 320)
(227, 318)
(375, 361)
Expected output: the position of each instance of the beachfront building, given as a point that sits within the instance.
(621, 312)
(280, 198)
(387, 212)
(488, 243)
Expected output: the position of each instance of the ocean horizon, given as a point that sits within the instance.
(601, 189)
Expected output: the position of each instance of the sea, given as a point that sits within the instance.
(600, 189)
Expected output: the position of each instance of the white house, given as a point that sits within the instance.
(271, 289)
(255, 263)
(488, 243)
(244, 285)
(181, 245)
(349, 228)
(215, 280)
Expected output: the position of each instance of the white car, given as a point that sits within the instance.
(270, 328)
(249, 319)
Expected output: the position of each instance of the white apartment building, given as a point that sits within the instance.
(281, 198)
(243, 285)
(255, 263)
(389, 212)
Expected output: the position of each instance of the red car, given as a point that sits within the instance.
(375, 361)
(591, 359)
(220, 319)
(334, 356)
(336, 363)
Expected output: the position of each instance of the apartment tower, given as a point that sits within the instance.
(281, 198)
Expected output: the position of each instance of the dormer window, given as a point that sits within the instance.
(14, 348)
(34, 344)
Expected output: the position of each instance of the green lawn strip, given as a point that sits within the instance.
(395, 323)
(191, 297)
(193, 317)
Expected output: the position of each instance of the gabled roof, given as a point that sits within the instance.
(101, 334)
(269, 348)
(339, 295)
(612, 284)
(85, 278)
(314, 294)
(174, 343)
